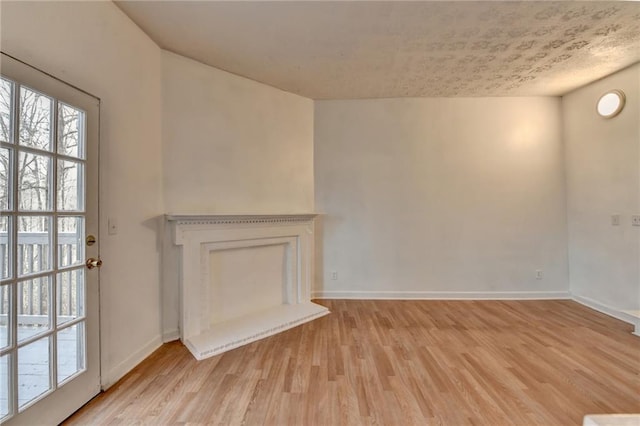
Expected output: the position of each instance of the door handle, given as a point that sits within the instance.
(93, 263)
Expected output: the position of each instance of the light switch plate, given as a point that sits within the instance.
(615, 220)
(112, 224)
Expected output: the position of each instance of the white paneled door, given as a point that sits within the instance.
(49, 257)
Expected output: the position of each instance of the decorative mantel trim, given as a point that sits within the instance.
(184, 224)
(238, 219)
(188, 308)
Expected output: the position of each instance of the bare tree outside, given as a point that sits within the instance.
(34, 192)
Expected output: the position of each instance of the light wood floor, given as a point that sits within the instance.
(396, 363)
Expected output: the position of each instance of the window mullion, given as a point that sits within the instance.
(54, 251)
(13, 304)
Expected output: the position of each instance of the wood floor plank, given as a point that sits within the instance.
(395, 363)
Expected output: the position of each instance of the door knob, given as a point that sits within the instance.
(93, 263)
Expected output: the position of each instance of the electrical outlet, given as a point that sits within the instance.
(538, 274)
(635, 220)
(334, 275)
(615, 220)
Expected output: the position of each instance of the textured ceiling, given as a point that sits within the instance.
(361, 49)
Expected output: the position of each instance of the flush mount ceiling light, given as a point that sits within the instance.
(611, 103)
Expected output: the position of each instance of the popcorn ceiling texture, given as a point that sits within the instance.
(345, 50)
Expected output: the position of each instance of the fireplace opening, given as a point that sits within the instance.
(247, 280)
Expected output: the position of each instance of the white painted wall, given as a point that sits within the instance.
(95, 47)
(603, 178)
(232, 145)
(441, 197)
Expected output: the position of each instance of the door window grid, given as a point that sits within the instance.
(42, 280)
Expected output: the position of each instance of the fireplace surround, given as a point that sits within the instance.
(232, 279)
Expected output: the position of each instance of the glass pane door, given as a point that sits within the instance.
(43, 281)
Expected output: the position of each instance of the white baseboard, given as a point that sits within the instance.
(636, 323)
(118, 372)
(170, 335)
(630, 317)
(442, 295)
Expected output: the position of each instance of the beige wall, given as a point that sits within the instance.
(94, 46)
(441, 197)
(603, 179)
(232, 145)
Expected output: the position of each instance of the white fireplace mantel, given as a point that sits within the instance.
(235, 279)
